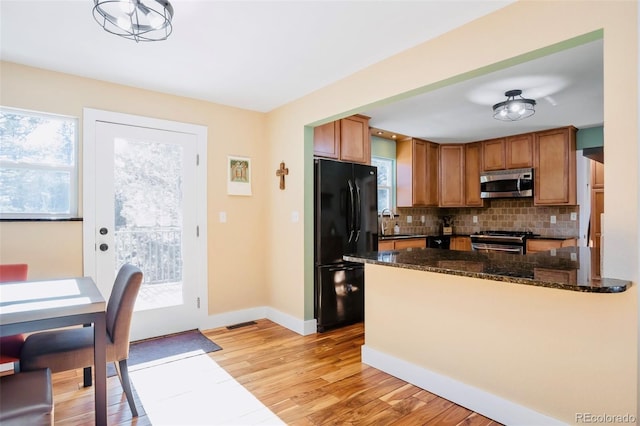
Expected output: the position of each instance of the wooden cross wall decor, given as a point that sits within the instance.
(281, 173)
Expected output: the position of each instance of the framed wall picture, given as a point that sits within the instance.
(238, 175)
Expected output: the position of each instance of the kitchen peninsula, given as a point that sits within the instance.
(521, 339)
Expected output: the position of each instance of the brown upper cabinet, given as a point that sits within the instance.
(597, 174)
(347, 139)
(554, 162)
(472, 169)
(452, 176)
(459, 182)
(493, 154)
(416, 173)
(513, 152)
(519, 151)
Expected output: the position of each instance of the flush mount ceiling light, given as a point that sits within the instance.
(139, 20)
(514, 108)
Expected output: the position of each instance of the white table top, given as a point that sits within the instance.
(35, 300)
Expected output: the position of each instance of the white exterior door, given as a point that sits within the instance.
(145, 211)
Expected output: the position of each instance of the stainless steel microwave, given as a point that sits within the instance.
(514, 183)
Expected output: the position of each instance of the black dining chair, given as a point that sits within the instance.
(72, 348)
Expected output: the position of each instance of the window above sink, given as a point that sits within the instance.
(383, 157)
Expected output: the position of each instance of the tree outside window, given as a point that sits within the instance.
(38, 165)
(386, 182)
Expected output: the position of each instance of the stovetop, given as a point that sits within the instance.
(503, 236)
(507, 233)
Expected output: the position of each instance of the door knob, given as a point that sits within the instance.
(104, 247)
(104, 231)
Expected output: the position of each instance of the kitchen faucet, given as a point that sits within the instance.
(383, 226)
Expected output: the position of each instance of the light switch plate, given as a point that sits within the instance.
(223, 217)
(409, 219)
(475, 219)
(295, 216)
(553, 219)
(574, 216)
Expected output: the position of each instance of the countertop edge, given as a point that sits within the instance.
(612, 285)
(407, 236)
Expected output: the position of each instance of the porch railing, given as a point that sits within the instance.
(156, 251)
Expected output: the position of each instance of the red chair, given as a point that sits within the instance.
(10, 346)
(13, 272)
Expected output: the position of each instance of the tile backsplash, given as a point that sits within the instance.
(499, 214)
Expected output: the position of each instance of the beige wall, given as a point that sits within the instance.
(50, 249)
(556, 352)
(235, 249)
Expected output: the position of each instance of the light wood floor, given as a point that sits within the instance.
(310, 380)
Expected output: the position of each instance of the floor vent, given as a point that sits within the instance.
(242, 324)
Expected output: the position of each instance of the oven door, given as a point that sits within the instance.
(497, 248)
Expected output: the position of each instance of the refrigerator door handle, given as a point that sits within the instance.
(358, 211)
(343, 268)
(350, 217)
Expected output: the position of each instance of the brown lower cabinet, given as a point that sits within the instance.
(402, 243)
(556, 275)
(540, 244)
(460, 243)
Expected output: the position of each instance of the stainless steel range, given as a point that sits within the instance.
(514, 242)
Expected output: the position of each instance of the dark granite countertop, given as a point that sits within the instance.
(401, 236)
(545, 237)
(405, 236)
(568, 268)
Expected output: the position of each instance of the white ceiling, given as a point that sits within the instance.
(259, 55)
(567, 86)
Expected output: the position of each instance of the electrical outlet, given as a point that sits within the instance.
(475, 219)
(574, 216)
(423, 219)
(409, 219)
(553, 219)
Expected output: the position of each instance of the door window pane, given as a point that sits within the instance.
(149, 216)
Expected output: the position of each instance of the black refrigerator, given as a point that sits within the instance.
(345, 222)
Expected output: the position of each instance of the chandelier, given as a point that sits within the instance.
(139, 20)
(514, 108)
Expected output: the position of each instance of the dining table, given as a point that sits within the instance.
(35, 305)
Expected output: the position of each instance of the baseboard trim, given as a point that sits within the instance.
(233, 317)
(301, 327)
(292, 323)
(478, 400)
